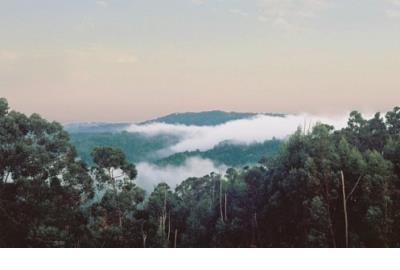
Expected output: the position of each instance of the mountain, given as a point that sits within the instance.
(137, 147)
(95, 127)
(142, 148)
(208, 118)
(233, 155)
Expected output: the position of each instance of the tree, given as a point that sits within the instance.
(393, 121)
(117, 206)
(42, 183)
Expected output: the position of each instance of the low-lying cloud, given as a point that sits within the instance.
(149, 175)
(245, 131)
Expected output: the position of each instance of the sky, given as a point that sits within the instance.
(129, 60)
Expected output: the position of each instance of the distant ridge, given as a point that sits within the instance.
(206, 118)
(95, 127)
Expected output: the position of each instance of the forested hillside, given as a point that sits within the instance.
(234, 155)
(136, 146)
(140, 147)
(325, 188)
(209, 118)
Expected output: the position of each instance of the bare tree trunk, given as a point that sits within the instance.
(332, 232)
(169, 227)
(6, 177)
(220, 200)
(176, 237)
(120, 218)
(346, 225)
(144, 236)
(113, 180)
(354, 188)
(254, 231)
(212, 194)
(226, 203)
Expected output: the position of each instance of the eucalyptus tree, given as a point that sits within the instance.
(42, 183)
(118, 198)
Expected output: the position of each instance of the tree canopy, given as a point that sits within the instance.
(324, 188)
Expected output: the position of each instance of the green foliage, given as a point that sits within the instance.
(137, 147)
(323, 189)
(141, 148)
(210, 118)
(3, 107)
(42, 184)
(234, 155)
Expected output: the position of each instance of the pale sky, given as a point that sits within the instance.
(128, 60)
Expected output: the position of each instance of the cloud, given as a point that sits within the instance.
(7, 55)
(199, 2)
(100, 54)
(289, 13)
(126, 59)
(150, 175)
(393, 10)
(239, 12)
(246, 131)
(102, 4)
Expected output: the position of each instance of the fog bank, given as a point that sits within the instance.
(245, 131)
(149, 175)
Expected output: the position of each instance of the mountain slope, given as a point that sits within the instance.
(139, 147)
(233, 155)
(208, 118)
(95, 127)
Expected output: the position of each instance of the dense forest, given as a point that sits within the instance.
(141, 148)
(226, 153)
(207, 118)
(155, 149)
(324, 188)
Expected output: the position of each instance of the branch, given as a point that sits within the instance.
(354, 188)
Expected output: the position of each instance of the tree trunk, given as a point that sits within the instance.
(6, 177)
(226, 203)
(163, 217)
(113, 180)
(331, 231)
(169, 227)
(176, 237)
(354, 188)
(212, 194)
(346, 225)
(144, 236)
(220, 200)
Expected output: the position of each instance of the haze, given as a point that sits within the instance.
(128, 60)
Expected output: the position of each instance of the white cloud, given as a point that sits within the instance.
(103, 4)
(7, 55)
(285, 13)
(245, 131)
(150, 175)
(262, 18)
(393, 9)
(126, 59)
(100, 54)
(199, 2)
(239, 12)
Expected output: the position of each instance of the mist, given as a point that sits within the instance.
(149, 175)
(245, 131)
